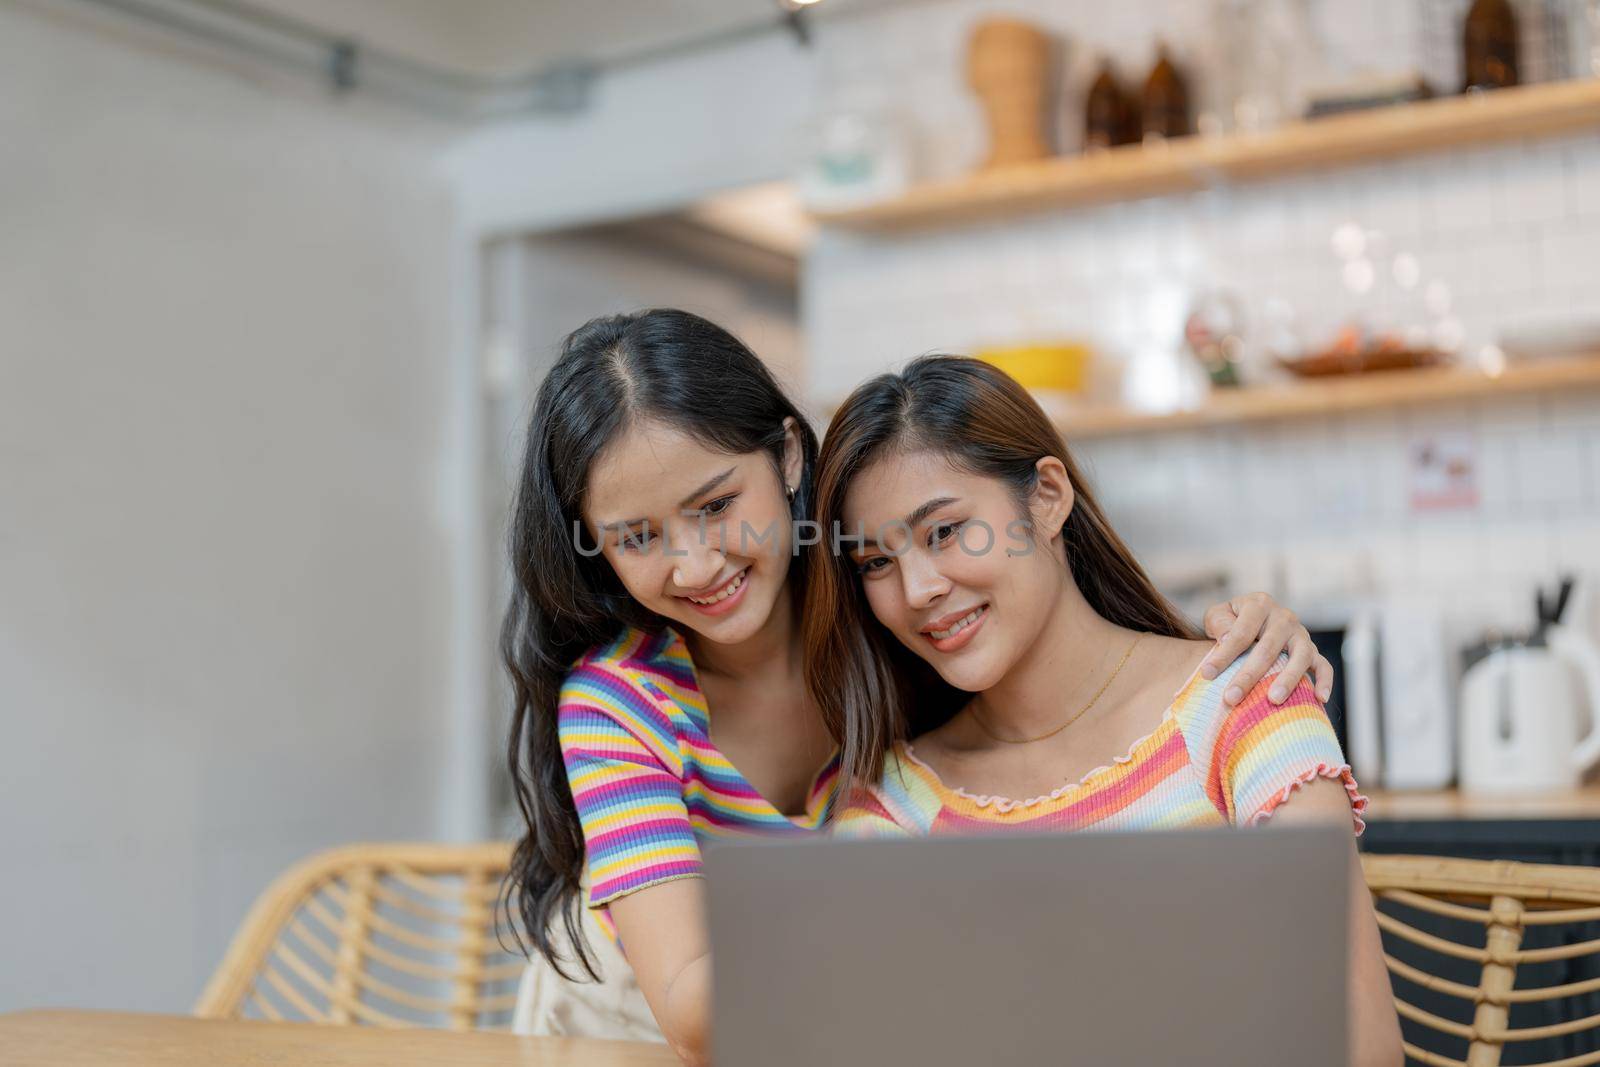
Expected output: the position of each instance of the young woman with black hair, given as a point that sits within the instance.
(994, 659)
(653, 642)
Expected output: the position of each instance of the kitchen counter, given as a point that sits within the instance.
(1452, 804)
(1560, 827)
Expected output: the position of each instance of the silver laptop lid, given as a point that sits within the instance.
(1197, 947)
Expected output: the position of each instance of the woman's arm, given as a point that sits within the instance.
(1257, 620)
(1374, 1024)
(663, 930)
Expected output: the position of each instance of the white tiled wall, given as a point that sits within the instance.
(1504, 237)
(1322, 507)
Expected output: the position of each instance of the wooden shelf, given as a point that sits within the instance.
(1453, 805)
(1194, 163)
(1383, 389)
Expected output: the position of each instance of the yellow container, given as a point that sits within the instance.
(1063, 367)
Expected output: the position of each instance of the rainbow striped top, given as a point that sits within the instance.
(648, 783)
(1205, 764)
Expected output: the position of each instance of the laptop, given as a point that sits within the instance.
(1220, 947)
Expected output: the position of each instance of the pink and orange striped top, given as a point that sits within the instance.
(647, 781)
(1205, 764)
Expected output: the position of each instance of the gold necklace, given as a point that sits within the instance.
(1078, 715)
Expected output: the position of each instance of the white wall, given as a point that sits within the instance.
(653, 138)
(571, 278)
(224, 584)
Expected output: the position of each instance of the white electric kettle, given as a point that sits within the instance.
(1523, 722)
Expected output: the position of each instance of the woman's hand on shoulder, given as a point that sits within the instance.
(1266, 628)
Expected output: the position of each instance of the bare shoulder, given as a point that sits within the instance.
(1320, 800)
(1180, 649)
(1173, 659)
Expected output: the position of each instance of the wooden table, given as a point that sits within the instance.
(113, 1039)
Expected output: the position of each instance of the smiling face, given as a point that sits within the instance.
(697, 536)
(949, 567)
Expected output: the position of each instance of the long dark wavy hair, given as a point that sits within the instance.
(871, 689)
(664, 365)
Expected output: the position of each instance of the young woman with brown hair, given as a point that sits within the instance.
(993, 658)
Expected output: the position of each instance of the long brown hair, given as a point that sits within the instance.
(871, 690)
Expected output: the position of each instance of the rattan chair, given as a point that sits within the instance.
(386, 935)
(1490, 924)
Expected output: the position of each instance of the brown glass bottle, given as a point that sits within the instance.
(1108, 116)
(1166, 100)
(1489, 41)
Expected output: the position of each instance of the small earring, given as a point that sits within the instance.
(789, 491)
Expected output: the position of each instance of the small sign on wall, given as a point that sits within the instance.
(1442, 471)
